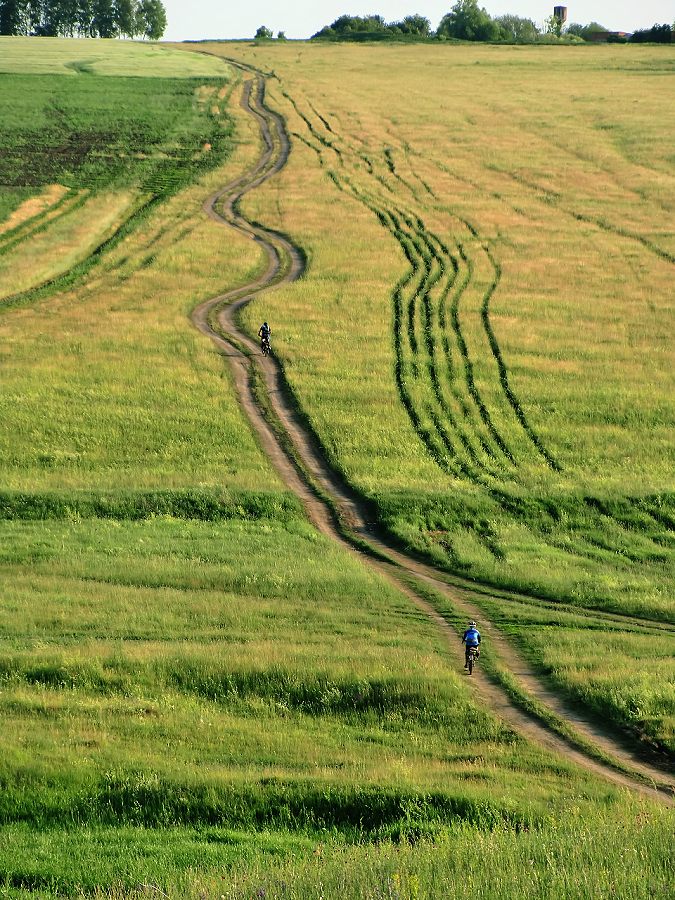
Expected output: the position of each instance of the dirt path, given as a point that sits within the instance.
(335, 509)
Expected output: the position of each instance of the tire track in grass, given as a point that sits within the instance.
(429, 331)
(549, 198)
(553, 198)
(495, 349)
(448, 443)
(438, 445)
(428, 422)
(438, 413)
(468, 364)
(337, 512)
(74, 275)
(412, 247)
(423, 240)
(455, 283)
(515, 403)
(417, 239)
(69, 202)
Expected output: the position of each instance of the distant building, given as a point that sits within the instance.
(560, 13)
(608, 37)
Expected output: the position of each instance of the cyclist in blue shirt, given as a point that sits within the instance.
(471, 639)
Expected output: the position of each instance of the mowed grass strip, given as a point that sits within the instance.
(72, 57)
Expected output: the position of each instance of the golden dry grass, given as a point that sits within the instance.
(563, 170)
(523, 350)
(64, 242)
(34, 206)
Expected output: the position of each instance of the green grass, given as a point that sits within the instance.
(11, 198)
(241, 700)
(291, 687)
(70, 862)
(119, 138)
(63, 56)
(560, 857)
(613, 555)
(100, 131)
(199, 694)
(621, 671)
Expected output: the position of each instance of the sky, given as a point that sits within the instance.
(201, 19)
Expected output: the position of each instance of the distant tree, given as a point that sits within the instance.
(414, 25)
(263, 34)
(14, 17)
(517, 29)
(103, 19)
(281, 36)
(584, 31)
(553, 25)
(345, 26)
(71, 12)
(84, 18)
(126, 17)
(90, 18)
(657, 34)
(151, 19)
(466, 21)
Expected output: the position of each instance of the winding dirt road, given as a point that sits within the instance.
(335, 509)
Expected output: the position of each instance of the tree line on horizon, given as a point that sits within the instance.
(83, 18)
(467, 21)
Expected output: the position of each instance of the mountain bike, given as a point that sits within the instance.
(472, 658)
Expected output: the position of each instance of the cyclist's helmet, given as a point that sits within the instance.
(472, 623)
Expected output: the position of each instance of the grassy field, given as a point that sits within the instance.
(480, 279)
(99, 141)
(485, 353)
(62, 56)
(199, 695)
(239, 702)
(106, 386)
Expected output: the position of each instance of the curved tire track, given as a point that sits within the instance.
(334, 508)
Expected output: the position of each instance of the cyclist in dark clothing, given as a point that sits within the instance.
(264, 333)
(471, 639)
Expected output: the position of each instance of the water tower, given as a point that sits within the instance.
(560, 13)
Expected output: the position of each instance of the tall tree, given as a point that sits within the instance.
(657, 34)
(414, 25)
(14, 17)
(125, 12)
(103, 19)
(466, 21)
(152, 19)
(584, 31)
(517, 29)
(57, 17)
(84, 18)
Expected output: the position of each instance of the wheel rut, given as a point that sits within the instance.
(335, 509)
